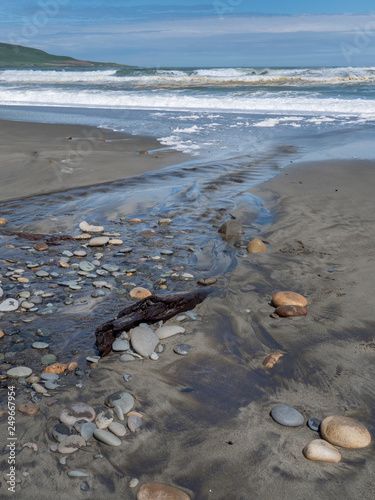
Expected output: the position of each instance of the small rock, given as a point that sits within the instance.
(41, 247)
(127, 377)
(71, 444)
(139, 293)
(345, 432)
(39, 388)
(98, 241)
(85, 227)
(77, 411)
(143, 340)
(154, 356)
(321, 451)
(87, 430)
(290, 311)
(314, 424)
(56, 368)
(134, 423)
(107, 437)
(288, 299)
(120, 345)
(50, 385)
(84, 486)
(207, 281)
(104, 417)
(122, 399)
(117, 429)
(182, 349)
(78, 473)
(231, 228)
(19, 372)
(72, 366)
(28, 408)
(42, 274)
(133, 483)
(118, 412)
(286, 415)
(3, 221)
(115, 241)
(49, 376)
(150, 491)
(168, 331)
(9, 305)
(40, 345)
(256, 246)
(86, 266)
(62, 431)
(271, 359)
(164, 222)
(126, 358)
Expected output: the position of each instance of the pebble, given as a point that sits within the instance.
(82, 236)
(314, 424)
(49, 376)
(120, 345)
(134, 423)
(154, 356)
(40, 345)
(85, 227)
(286, 415)
(271, 359)
(86, 266)
(62, 431)
(87, 430)
(231, 228)
(125, 250)
(290, 311)
(78, 473)
(127, 377)
(41, 247)
(133, 483)
(256, 246)
(72, 366)
(345, 432)
(321, 451)
(93, 359)
(164, 222)
(3, 221)
(118, 412)
(168, 331)
(182, 349)
(115, 241)
(63, 460)
(71, 444)
(48, 359)
(85, 486)
(166, 252)
(50, 385)
(126, 358)
(117, 429)
(107, 437)
(149, 491)
(28, 408)
(56, 368)
(9, 305)
(104, 416)
(207, 281)
(122, 399)
(39, 388)
(98, 241)
(77, 411)
(19, 372)
(47, 310)
(288, 299)
(139, 293)
(143, 340)
(80, 253)
(42, 274)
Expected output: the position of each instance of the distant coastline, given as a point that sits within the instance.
(18, 56)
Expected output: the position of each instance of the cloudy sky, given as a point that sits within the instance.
(196, 32)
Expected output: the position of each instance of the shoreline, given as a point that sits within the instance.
(42, 158)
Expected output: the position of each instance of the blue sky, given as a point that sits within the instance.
(196, 32)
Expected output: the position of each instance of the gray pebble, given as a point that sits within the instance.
(127, 377)
(286, 415)
(120, 345)
(107, 437)
(182, 349)
(314, 423)
(87, 430)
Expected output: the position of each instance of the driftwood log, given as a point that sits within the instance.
(149, 310)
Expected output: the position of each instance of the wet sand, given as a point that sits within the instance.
(218, 441)
(39, 158)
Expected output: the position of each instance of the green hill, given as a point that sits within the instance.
(17, 56)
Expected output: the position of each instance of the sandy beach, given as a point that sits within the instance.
(206, 426)
(38, 158)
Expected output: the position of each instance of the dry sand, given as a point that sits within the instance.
(37, 158)
(219, 442)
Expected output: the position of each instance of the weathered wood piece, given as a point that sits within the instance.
(148, 310)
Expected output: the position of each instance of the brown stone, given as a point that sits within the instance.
(72, 366)
(135, 221)
(207, 281)
(41, 247)
(288, 299)
(139, 293)
(271, 359)
(256, 246)
(3, 221)
(319, 450)
(158, 491)
(1, 334)
(55, 368)
(345, 432)
(28, 408)
(289, 311)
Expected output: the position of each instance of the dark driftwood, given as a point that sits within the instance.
(148, 310)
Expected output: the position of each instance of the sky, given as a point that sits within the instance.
(191, 33)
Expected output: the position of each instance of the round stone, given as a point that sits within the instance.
(286, 415)
(28, 408)
(290, 311)
(77, 411)
(166, 252)
(139, 293)
(143, 340)
(288, 299)
(256, 246)
(107, 437)
(321, 451)
(56, 368)
(160, 491)
(41, 247)
(115, 241)
(168, 331)
(87, 430)
(110, 268)
(40, 345)
(49, 376)
(117, 429)
(122, 399)
(39, 388)
(207, 281)
(126, 358)
(19, 372)
(134, 423)
(80, 253)
(9, 305)
(164, 222)
(182, 349)
(62, 431)
(314, 423)
(98, 241)
(133, 483)
(104, 416)
(42, 274)
(120, 345)
(85, 227)
(71, 444)
(86, 266)
(345, 432)
(3, 221)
